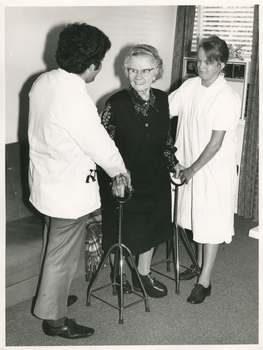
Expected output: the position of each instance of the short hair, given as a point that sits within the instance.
(145, 50)
(79, 46)
(215, 49)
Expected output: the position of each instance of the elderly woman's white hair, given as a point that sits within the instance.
(145, 50)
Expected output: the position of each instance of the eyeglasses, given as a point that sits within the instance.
(143, 72)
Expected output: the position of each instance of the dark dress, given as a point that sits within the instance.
(140, 130)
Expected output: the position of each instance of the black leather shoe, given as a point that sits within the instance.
(72, 299)
(126, 284)
(70, 330)
(188, 274)
(199, 293)
(153, 288)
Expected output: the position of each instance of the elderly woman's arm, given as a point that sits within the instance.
(120, 181)
(107, 120)
(170, 152)
(208, 153)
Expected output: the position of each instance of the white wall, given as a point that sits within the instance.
(30, 43)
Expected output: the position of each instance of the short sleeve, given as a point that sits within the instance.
(179, 97)
(227, 110)
(173, 99)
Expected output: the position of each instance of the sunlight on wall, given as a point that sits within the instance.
(30, 42)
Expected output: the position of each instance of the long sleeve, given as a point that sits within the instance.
(66, 141)
(107, 120)
(95, 142)
(170, 150)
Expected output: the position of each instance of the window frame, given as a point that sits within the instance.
(203, 21)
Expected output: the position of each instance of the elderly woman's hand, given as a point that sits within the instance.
(120, 183)
(127, 179)
(177, 170)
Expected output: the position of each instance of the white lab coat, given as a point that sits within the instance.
(206, 203)
(66, 139)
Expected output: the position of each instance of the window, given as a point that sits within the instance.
(231, 23)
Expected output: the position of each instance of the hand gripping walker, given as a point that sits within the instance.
(172, 246)
(119, 258)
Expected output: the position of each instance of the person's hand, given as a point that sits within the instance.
(120, 183)
(177, 170)
(187, 174)
(127, 179)
(118, 186)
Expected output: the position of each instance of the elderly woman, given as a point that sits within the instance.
(137, 119)
(208, 110)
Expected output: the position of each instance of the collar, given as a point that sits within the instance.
(73, 78)
(141, 105)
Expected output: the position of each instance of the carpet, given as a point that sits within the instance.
(229, 316)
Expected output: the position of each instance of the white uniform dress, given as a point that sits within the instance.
(206, 203)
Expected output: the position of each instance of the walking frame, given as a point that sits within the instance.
(172, 246)
(119, 258)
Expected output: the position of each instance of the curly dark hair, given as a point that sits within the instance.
(79, 46)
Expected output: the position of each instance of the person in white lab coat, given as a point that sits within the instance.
(66, 142)
(208, 110)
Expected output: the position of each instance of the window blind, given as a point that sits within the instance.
(231, 23)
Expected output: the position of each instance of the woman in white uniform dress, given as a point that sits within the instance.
(208, 110)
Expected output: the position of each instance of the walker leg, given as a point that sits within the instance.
(145, 296)
(95, 277)
(177, 290)
(121, 296)
(168, 254)
(189, 247)
(115, 272)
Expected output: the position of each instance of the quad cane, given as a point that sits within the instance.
(172, 246)
(118, 248)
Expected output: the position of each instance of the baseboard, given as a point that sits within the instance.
(26, 289)
(254, 232)
(20, 291)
